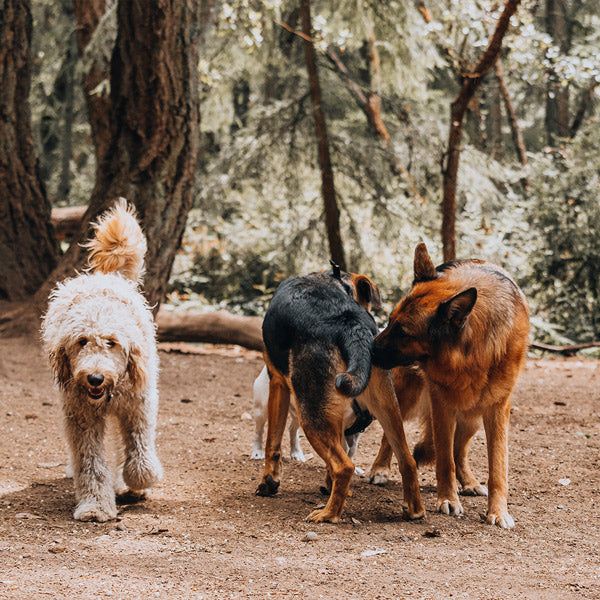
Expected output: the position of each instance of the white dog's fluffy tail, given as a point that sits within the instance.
(119, 245)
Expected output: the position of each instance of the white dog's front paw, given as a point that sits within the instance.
(379, 476)
(297, 454)
(92, 510)
(258, 452)
(501, 519)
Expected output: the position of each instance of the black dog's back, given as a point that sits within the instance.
(308, 319)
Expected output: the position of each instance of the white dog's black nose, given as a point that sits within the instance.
(95, 379)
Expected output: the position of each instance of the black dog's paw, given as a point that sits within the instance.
(268, 487)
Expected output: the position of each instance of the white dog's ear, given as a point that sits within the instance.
(60, 365)
(136, 368)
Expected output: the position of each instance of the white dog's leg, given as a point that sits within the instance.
(351, 442)
(92, 477)
(260, 391)
(142, 468)
(296, 451)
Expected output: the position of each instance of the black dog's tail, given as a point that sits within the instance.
(355, 344)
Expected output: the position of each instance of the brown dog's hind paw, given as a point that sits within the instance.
(268, 487)
(450, 507)
(322, 515)
(476, 489)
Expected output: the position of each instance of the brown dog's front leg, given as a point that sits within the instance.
(279, 403)
(495, 420)
(381, 401)
(444, 426)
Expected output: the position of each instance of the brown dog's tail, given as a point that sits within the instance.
(119, 245)
(355, 346)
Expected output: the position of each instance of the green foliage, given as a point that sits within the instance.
(565, 278)
(258, 213)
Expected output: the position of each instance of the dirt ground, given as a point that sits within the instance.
(203, 533)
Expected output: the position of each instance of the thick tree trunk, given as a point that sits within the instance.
(470, 83)
(517, 134)
(88, 14)
(332, 211)
(153, 153)
(557, 95)
(28, 250)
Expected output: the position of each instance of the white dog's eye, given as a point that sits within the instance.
(83, 342)
(110, 343)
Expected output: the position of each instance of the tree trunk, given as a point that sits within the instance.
(557, 95)
(494, 118)
(470, 83)
(517, 134)
(64, 186)
(28, 250)
(153, 152)
(586, 105)
(88, 14)
(332, 211)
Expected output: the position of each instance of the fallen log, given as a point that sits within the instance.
(214, 328)
(568, 350)
(66, 221)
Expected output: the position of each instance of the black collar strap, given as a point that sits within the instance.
(363, 419)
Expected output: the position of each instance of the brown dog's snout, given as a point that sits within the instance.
(95, 379)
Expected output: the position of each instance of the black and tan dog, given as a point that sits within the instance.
(318, 337)
(466, 325)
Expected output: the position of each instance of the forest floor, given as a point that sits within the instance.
(204, 534)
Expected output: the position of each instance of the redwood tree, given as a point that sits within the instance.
(28, 250)
(332, 211)
(470, 83)
(153, 151)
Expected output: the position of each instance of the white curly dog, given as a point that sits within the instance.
(101, 341)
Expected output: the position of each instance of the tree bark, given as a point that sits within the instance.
(153, 152)
(332, 211)
(517, 134)
(557, 95)
(28, 250)
(470, 83)
(88, 14)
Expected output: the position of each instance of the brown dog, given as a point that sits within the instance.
(466, 324)
(318, 336)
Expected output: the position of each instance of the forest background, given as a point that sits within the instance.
(274, 179)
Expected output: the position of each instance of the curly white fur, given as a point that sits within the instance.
(101, 341)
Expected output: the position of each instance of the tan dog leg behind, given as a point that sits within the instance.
(279, 402)
(466, 428)
(383, 405)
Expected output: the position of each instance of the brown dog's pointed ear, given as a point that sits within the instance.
(424, 268)
(367, 292)
(456, 310)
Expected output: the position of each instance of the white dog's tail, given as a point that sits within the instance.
(119, 245)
